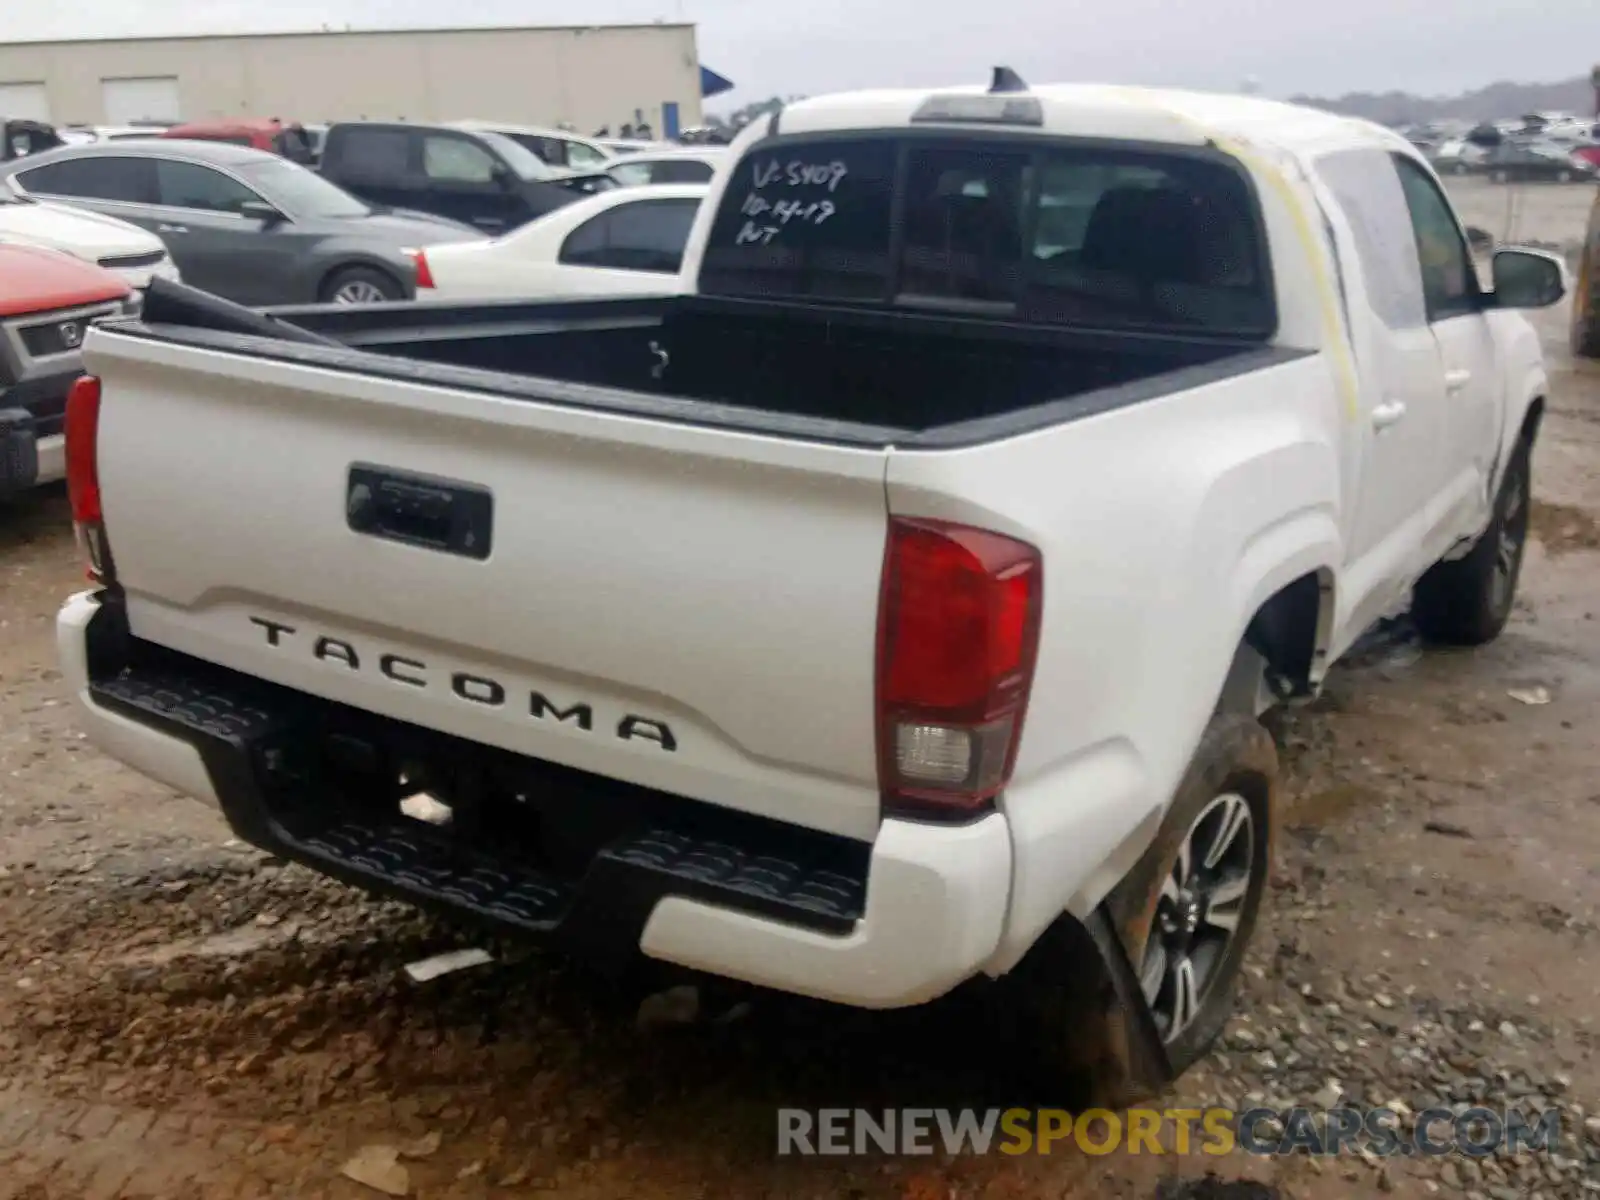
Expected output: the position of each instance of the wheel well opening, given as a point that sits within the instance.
(1289, 631)
(343, 268)
(1530, 423)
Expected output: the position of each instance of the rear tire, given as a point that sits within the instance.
(1196, 894)
(360, 285)
(1467, 602)
(1173, 903)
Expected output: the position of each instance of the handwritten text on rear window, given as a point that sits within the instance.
(769, 214)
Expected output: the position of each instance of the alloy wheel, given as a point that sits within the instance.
(1511, 535)
(1197, 917)
(359, 291)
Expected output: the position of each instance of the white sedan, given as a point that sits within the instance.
(622, 242)
(696, 164)
(124, 249)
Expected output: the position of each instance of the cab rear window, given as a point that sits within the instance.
(806, 220)
(1074, 234)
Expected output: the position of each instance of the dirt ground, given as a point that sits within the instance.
(181, 1016)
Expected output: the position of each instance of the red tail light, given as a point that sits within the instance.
(83, 474)
(958, 630)
(419, 259)
(82, 429)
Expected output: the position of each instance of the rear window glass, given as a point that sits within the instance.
(805, 220)
(1064, 234)
(374, 152)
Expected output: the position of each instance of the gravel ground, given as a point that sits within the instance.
(1533, 212)
(181, 1016)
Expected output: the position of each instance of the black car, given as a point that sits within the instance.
(472, 176)
(1525, 160)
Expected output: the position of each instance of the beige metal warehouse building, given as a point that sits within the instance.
(591, 76)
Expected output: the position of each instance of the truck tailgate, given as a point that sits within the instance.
(679, 607)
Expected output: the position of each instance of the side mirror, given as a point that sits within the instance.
(260, 210)
(1528, 279)
(504, 178)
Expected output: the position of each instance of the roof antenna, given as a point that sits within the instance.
(1006, 80)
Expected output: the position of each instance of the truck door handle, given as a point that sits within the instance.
(165, 228)
(1455, 380)
(1387, 413)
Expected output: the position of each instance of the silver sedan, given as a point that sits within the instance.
(242, 223)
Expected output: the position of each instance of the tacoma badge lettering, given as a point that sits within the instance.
(469, 687)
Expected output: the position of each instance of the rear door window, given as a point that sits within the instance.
(643, 235)
(96, 177)
(1101, 236)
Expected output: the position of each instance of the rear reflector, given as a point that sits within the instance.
(958, 631)
(82, 427)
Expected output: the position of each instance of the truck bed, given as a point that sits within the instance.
(640, 540)
(839, 374)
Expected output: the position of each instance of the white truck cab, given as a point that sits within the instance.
(887, 610)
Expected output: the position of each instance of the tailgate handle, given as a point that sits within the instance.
(420, 510)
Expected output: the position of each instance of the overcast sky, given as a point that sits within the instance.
(810, 46)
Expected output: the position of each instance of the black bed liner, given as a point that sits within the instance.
(608, 338)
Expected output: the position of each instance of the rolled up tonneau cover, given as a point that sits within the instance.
(170, 303)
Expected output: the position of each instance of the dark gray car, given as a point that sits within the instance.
(241, 223)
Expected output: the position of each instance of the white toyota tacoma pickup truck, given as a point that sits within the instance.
(886, 612)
